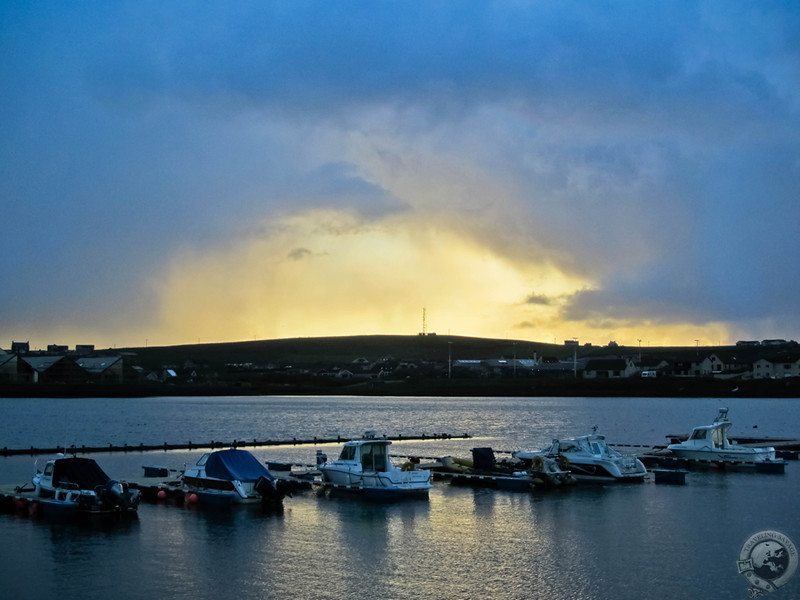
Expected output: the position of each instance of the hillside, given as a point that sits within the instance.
(310, 352)
(430, 365)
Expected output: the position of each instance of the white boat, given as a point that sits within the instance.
(710, 443)
(78, 486)
(364, 466)
(231, 476)
(590, 458)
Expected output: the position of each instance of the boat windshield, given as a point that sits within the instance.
(348, 453)
(373, 457)
(698, 434)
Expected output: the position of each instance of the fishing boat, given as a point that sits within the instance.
(71, 486)
(232, 476)
(590, 458)
(364, 466)
(710, 443)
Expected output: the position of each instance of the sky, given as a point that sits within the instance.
(182, 172)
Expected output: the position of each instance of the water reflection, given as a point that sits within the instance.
(622, 542)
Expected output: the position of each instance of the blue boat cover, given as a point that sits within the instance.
(236, 465)
(84, 472)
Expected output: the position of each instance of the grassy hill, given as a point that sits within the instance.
(310, 352)
(292, 367)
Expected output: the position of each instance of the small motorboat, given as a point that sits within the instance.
(710, 443)
(483, 470)
(590, 458)
(69, 486)
(232, 476)
(364, 466)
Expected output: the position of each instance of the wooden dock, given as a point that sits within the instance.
(214, 445)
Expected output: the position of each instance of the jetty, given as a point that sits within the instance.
(214, 445)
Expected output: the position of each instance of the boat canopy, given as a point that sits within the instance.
(84, 472)
(237, 465)
(716, 434)
(592, 444)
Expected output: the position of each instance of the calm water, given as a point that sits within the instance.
(592, 542)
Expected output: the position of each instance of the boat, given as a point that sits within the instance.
(483, 470)
(590, 458)
(232, 476)
(710, 443)
(71, 486)
(364, 466)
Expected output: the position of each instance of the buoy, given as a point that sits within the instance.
(161, 495)
(192, 499)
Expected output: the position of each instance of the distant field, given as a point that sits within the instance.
(301, 352)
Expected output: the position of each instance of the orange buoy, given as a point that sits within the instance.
(161, 495)
(192, 498)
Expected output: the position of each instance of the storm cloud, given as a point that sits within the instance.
(621, 170)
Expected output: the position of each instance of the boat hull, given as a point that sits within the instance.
(605, 472)
(742, 455)
(220, 492)
(378, 486)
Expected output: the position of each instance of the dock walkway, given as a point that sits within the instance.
(213, 445)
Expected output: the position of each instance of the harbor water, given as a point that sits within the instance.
(620, 542)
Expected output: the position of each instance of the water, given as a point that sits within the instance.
(592, 542)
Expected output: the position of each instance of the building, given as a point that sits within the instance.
(780, 367)
(50, 369)
(609, 368)
(8, 367)
(103, 369)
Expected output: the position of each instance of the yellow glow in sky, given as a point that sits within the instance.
(327, 273)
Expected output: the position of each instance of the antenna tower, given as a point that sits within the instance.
(424, 323)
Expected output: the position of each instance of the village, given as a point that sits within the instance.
(439, 359)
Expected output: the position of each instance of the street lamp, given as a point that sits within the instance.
(575, 358)
(515, 359)
(449, 359)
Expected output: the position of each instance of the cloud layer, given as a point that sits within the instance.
(545, 171)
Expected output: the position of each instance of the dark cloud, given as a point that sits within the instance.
(649, 147)
(539, 299)
(299, 253)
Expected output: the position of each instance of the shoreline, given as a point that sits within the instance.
(507, 387)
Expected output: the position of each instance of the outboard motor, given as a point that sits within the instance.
(271, 493)
(115, 489)
(321, 458)
(118, 494)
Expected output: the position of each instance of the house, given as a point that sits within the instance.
(20, 347)
(8, 367)
(698, 367)
(779, 367)
(748, 344)
(50, 369)
(106, 369)
(560, 369)
(609, 368)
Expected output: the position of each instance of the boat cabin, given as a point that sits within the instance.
(714, 435)
(589, 444)
(370, 455)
